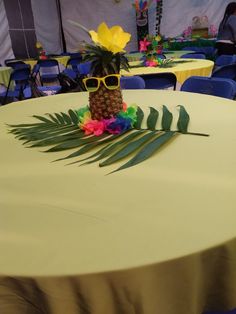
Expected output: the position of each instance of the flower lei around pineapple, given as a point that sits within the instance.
(123, 121)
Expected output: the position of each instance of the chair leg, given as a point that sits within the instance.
(5, 98)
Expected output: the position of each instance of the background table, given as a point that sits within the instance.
(61, 59)
(169, 54)
(156, 238)
(5, 73)
(182, 70)
(200, 42)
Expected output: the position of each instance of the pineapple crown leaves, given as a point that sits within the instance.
(103, 61)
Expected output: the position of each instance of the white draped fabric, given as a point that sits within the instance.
(178, 14)
(47, 25)
(5, 40)
(91, 13)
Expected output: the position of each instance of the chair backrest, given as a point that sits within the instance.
(75, 54)
(196, 49)
(48, 63)
(15, 64)
(225, 60)
(84, 68)
(73, 63)
(132, 82)
(160, 80)
(21, 77)
(226, 71)
(21, 74)
(194, 55)
(8, 60)
(215, 86)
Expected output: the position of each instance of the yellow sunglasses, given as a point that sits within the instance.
(111, 82)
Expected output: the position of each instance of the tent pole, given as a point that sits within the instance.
(61, 26)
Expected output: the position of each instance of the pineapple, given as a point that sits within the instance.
(107, 57)
(104, 103)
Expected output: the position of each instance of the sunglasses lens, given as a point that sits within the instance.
(91, 84)
(112, 81)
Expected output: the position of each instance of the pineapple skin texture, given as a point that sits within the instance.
(105, 103)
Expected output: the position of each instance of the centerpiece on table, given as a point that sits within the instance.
(152, 47)
(40, 51)
(107, 57)
(106, 130)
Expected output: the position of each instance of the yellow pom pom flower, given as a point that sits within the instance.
(38, 45)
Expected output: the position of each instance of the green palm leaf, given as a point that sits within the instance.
(87, 147)
(183, 120)
(43, 119)
(73, 143)
(73, 116)
(148, 150)
(167, 118)
(107, 150)
(140, 116)
(53, 118)
(152, 119)
(59, 118)
(61, 131)
(128, 149)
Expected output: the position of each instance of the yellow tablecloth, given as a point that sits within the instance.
(5, 73)
(62, 60)
(156, 238)
(182, 70)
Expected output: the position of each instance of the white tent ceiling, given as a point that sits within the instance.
(177, 15)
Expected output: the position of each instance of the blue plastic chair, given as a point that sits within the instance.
(196, 49)
(225, 60)
(220, 87)
(228, 312)
(208, 50)
(194, 56)
(41, 90)
(227, 71)
(73, 63)
(84, 68)
(71, 73)
(132, 82)
(20, 77)
(160, 80)
(16, 64)
(75, 54)
(49, 64)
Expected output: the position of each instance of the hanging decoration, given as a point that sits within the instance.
(40, 51)
(159, 5)
(141, 8)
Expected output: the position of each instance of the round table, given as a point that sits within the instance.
(181, 70)
(61, 59)
(5, 73)
(159, 237)
(169, 54)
